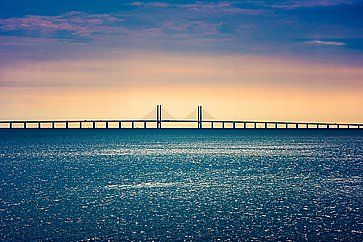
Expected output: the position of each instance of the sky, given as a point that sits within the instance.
(252, 60)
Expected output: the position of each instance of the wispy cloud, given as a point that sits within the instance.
(207, 26)
(292, 4)
(323, 42)
(78, 23)
(220, 7)
(159, 4)
(192, 27)
(24, 41)
(224, 7)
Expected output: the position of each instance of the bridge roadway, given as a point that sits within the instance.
(135, 123)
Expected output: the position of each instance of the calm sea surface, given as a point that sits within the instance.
(181, 185)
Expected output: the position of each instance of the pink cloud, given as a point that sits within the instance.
(109, 27)
(224, 7)
(158, 4)
(76, 22)
(219, 7)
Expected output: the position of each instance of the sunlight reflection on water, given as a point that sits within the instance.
(181, 185)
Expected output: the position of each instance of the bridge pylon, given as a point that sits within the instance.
(158, 116)
(200, 117)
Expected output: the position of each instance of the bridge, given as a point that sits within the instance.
(160, 122)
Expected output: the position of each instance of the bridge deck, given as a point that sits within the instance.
(203, 123)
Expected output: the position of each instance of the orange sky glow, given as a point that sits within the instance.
(229, 87)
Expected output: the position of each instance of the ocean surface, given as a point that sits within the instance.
(185, 184)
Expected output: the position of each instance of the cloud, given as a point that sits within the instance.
(311, 3)
(151, 4)
(327, 43)
(233, 7)
(111, 28)
(219, 7)
(224, 7)
(77, 23)
(159, 4)
(24, 41)
(192, 27)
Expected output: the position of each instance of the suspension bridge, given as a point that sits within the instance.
(163, 119)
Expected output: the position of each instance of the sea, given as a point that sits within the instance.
(181, 185)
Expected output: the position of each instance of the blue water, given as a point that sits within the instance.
(181, 185)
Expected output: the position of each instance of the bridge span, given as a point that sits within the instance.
(159, 122)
